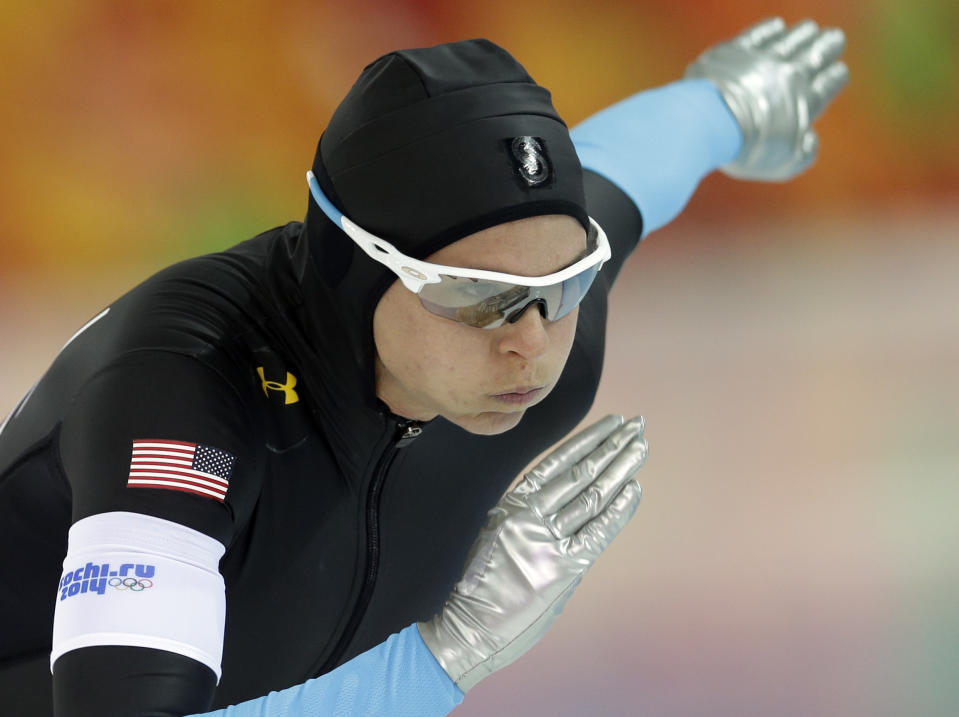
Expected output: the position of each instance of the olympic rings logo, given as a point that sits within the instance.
(131, 584)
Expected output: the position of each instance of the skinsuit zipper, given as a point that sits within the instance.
(404, 434)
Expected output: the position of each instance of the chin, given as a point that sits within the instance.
(491, 423)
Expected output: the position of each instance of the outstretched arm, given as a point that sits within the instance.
(746, 107)
(657, 145)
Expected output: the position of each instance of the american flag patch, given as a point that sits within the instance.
(177, 465)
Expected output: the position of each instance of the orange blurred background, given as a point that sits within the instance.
(794, 347)
(146, 131)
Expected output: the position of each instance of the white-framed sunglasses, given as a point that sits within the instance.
(478, 297)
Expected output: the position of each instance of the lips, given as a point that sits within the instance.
(519, 390)
(520, 395)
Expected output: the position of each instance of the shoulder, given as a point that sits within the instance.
(163, 434)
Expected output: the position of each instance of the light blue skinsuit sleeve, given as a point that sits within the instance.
(657, 145)
(397, 678)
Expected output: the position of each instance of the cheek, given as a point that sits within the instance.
(562, 333)
(455, 355)
(414, 344)
(400, 341)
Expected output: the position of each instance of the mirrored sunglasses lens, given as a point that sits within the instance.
(475, 302)
(573, 292)
(487, 304)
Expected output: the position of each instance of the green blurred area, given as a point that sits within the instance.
(917, 82)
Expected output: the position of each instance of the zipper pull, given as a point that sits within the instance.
(406, 433)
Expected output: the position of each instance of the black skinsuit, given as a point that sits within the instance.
(345, 529)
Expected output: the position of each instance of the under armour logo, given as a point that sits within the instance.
(290, 396)
(531, 160)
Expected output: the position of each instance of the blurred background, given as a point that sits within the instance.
(794, 347)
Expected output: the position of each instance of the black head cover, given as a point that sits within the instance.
(433, 144)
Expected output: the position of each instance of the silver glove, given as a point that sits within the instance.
(776, 83)
(539, 541)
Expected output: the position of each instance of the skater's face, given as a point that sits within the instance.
(480, 379)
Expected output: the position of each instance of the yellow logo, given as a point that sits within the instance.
(287, 388)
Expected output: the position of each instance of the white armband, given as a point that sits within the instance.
(132, 579)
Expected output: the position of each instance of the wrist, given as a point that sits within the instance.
(458, 661)
(438, 644)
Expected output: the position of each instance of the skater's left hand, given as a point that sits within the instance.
(776, 82)
(539, 541)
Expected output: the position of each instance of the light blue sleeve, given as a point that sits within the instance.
(397, 678)
(657, 145)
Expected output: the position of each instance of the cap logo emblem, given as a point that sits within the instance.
(530, 160)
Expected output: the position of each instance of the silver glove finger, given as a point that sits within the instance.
(562, 489)
(826, 86)
(594, 537)
(761, 33)
(569, 453)
(809, 148)
(823, 51)
(793, 41)
(594, 500)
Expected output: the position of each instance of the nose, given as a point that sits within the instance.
(526, 335)
(539, 304)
